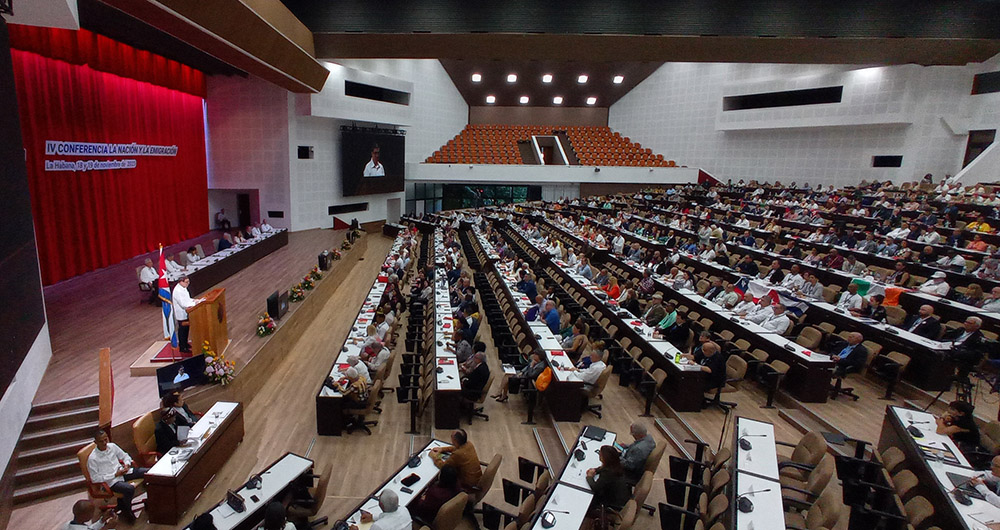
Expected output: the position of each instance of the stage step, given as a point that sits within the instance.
(46, 472)
(49, 489)
(46, 463)
(52, 420)
(65, 404)
(551, 448)
(676, 432)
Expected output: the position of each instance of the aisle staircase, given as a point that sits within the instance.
(46, 453)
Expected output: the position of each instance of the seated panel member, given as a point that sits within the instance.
(166, 432)
(109, 465)
(150, 277)
(392, 517)
(959, 424)
(852, 357)
(711, 361)
(988, 485)
(462, 456)
(86, 516)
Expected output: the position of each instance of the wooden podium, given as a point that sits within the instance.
(209, 322)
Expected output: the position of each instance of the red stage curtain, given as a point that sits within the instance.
(82, 47)
(85, 220)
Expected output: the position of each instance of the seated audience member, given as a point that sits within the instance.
(577, 341)
(869, 244)
(793, 281)
(745, 305)
(612, 289)
(977, 244)
(774, 274)
(792, 250)
(264, 227)
(462, 456)
(254, 231)
(608, 483)
(748, 266)
(680, 332)
(149, 277)
(952, 261)
(525, 376)
(630, 302)
(655, 312)
(391, 517)
(225, 242)
(536, 311)
(833, 260)
(853, 266)
(778, 321)
(936, 285)
(989, 269)
(426, 506)
(584, 268)
(850, 300)
(591, 373)
(354, 361)
(192, 255)
(86, 516)
(602, 278)
(988, 484)
(811, 288)
(712, 362)
(924, 323)
(354, 389)
(872, 309)
(899, 277)
(172, 265)
(968, 343)
(551, 316)
(927, 256)
(634, 455)
(527, 286)
(475, 374)
(185, 416)
(669, 318)
(109, 465)
(973, 295)
(979, 225)
(852, 357)
(166, 432)
(958, 423)
(274, 517)
(728, 297)
(716, 289)
(221, 221)
(991, 302)
(375, 355)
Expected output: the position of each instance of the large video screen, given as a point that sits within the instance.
(371, 162)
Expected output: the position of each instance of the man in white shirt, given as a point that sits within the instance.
(355, 362)
(953, 260)
(391, 516)
(254, 231)
(381, 327)
(930, 237)
(794, 280)
(988, 484)
(149, 277)
(853, 266)
(172, 266)
(778, 322)
(899, 233)
(992, 303)
(109, 465)
(264, 227)
(851, 299)
(763, 311)
(375, 356)
(182, 303)
(936, 285)
(745, 306)
(85, 517)
(728, 297)
(374, 168)
(592, 373)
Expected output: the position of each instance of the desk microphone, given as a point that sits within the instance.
(744, 443)
(744, 504)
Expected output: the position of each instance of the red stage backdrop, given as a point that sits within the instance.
(92, 217)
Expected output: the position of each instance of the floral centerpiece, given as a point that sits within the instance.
(346, 245)
(297, 294)
(217, 368)
(265, 325)
(307, 283)
(316, 274)
(335, 254)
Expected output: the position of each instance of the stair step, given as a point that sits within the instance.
(56, 436)
(49, 489)
(31, 457)
(50, 420)
(675, 432)
(66, 404)
(47, 471)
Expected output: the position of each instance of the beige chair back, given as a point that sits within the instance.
(486, 481)
(144, 437)
(450, 514)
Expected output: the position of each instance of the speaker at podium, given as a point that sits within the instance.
(209, 322)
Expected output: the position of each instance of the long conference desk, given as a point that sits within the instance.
(329, 403)
(179, 476)
(570, 497)
(939, 464)
(210, 270)
(755, 477)
(274, 483)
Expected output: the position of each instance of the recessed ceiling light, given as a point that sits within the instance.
(582, 79)
(618, 79)
(557, 100)
(477, 78)
(591, 100)
(547, 78)
(511, 78)
(491, 100)
(524, 100)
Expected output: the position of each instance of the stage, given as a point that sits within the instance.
(104, 308)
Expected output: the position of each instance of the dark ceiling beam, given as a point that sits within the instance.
(236, 34)
(610, 48)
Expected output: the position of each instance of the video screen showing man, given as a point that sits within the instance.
(374, 168)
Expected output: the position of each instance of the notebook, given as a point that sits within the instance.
(962, 483)
(594, 433)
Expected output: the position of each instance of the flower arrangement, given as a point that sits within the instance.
(346, 245)
(297, 294)
(307, 283)
(217, 368)
(315, 274)
(336, 255)
(265, 325)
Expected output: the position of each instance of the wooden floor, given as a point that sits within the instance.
(281, 418)
(105, 308)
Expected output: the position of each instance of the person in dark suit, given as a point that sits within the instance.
(852, 357)
(792, 250)
(475, 377)
(969, 343)
(166, 432)
(774, 274)
(748, 266)
(924, 324)
(714, 290)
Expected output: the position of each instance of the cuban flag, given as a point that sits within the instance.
(168, 307)
(741, 286)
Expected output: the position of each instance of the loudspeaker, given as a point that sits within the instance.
(306, 152)
(324, 260)
(277, 304)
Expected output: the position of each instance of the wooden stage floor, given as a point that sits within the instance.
(105, 308)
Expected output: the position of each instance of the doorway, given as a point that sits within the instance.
(243, 209)
(978, 142)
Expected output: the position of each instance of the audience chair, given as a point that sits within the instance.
(893, 459)
(905, 484)
(144, 436)
(477, 411)
(890, 367)
(803, 493)
(736, 369)
(451, 513)
(641, 491)
(358, 415)
(808, 452)
(479, 491)
(826, 512)
(299, 512)
(895, 315)
(809, 338)
(627, 516)
(770, 375)
(918, 510)
(595, 391)
(838, 387)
